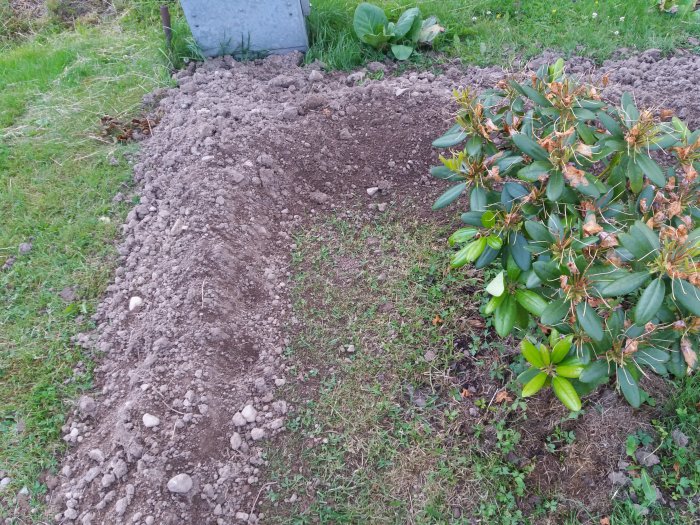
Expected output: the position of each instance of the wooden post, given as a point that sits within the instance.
(165, 20)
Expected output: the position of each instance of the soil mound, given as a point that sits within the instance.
(193, 330)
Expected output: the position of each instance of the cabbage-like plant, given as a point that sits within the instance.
(592, 212)
(679, 7)
(373, 27)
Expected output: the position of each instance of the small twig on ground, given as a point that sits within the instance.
(260, 492)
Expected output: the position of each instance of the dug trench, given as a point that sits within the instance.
(192, 385)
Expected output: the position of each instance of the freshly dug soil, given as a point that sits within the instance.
(193, 330)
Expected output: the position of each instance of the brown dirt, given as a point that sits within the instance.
(243, 155)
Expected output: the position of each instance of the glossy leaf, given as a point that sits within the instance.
(497, 285)
(590, 321)
(561, 348)
(449, 196)
(462, 235)
(504, 316)
(530, 147)
(595, 371)
(555, 312)
(628, 386)
(534, 385)
(566, 393)
(649, 303)
(531, 301)
(686, 295)
(625, 284)
(531, 353)
(477, 199)
(452, 137)
(651, 169)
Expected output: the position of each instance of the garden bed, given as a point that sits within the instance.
(207, 316)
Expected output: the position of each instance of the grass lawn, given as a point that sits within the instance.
(57, 181)
(500, 31)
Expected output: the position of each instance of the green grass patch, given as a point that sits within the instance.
(58, 177)
(385, 434)
(500, 31)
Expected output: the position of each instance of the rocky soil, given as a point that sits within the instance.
(193, 330)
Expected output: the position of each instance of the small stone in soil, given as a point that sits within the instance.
(249, 413)
(236, 441)
(135, 303)
(180, 484)
(257, 434)
(150, 421)
(679, 438)
(646, 459)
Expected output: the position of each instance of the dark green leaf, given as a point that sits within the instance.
(519, 251)
(477, 199)
(686, 295)
(628, 386)
(530, 147)
(535, 96)
(594, 372)
(473, 218)
(405, 22)
(635, 176)
(590, 321)
(531, 301)
(452, 137)
(610, 124)
(449, 196)
(583, 114)
(474, 146)
(630, 111)
(654, 358)
(555, 186)
(487, 257)
(538, 232)
(532, 172)
(445, 173)
(651, 169)
(649, 303)
(504, 316)
(555, 312)
(625, 284)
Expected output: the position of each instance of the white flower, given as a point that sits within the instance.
(617, 33)
(594, 15)
(473, 19)
(622, 19)
(488, 13)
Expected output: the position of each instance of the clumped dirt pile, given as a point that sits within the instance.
(194, 327)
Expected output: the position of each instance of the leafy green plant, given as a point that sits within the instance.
(680, 7)
(373, 27)
(597, 241)
(553, 367)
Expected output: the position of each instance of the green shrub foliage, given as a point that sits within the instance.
(403, 36)
(592, 213)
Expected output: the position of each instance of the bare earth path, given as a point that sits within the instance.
(194, 327)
